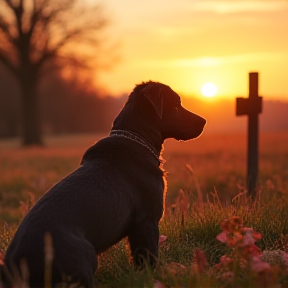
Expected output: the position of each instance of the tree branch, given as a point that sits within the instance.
(9, 3)
(17, 11)
(48, 27)
(4, 27)
(53, 51)
(33, 20)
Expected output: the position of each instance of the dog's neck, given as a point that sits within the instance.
(136, 138)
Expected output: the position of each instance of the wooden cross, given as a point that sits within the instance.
(251, 106)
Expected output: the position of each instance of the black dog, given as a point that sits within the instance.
(117, 191)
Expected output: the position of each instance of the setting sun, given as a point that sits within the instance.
(209, 90)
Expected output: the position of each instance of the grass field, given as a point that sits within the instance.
(219, 170)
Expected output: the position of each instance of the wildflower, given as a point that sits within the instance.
(228, 276)
(162, 239)
(243, 255)
(276, 257)
(224, 263)
(232, 224)
(225, 260)
(158, 284)
(258, 265)
(251, 236)
(235, 235)
(176, 269)
(230, 238)
(200, 260)
(222, 237)
(251, 250)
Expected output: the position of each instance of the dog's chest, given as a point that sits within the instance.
(150, 193)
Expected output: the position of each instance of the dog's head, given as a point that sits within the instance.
(176, 121)
(159, 107)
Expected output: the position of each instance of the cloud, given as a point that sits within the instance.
(225, 7)
(230, 59)
(198, 62)
(213, 61)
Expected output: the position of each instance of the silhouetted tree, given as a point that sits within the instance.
(70, 106)
(9, 105)
(39, 35)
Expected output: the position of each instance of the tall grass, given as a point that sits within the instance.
(194, 227)
(200, 196)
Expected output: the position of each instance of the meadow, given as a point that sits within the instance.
(206, 185)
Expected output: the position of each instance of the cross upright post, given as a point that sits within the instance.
(251, 106)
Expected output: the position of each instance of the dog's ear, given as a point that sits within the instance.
(155, 97)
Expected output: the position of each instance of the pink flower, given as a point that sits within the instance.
(200, 260)
(228, 276)
(251, 250)
(231, 238)
(243, 254)
(251, 236)
(176, 269)
(258, 265)
(235, 239)
(232, 224)
(225, 260)
(162, 239)
(158, 284)
(222, 237)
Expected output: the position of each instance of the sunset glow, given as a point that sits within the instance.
(183, 45)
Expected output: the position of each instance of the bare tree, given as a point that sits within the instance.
(39, 35)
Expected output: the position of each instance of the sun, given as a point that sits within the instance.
(209, 89)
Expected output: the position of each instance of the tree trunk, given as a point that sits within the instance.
(30, 112)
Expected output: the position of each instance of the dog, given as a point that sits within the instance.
(118, 191)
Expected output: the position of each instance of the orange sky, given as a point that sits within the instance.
(185, 43)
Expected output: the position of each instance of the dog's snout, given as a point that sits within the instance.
(199, 124)
(201, 120)
(198, 120)
(193, 127)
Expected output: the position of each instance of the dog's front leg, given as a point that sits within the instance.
(143, 240)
